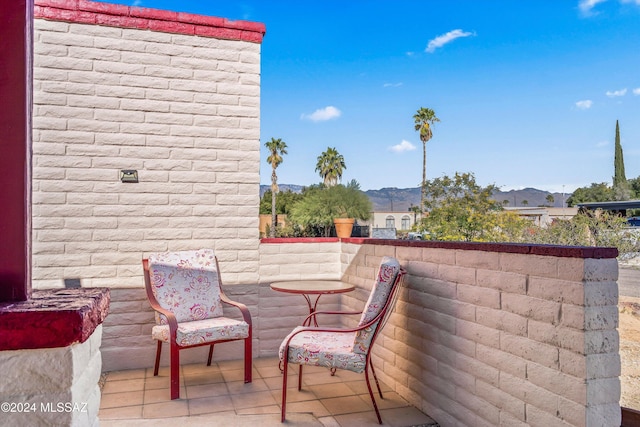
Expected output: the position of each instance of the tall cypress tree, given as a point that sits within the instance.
(619, 177)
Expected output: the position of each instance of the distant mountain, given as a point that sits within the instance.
(282, 187)
(401, 199)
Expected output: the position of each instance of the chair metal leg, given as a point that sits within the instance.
(157, 366)
(284, 385)
(376, 379)
(373, 399)
(210, 355)
(300, 378)
(175, 371)
(248, 355)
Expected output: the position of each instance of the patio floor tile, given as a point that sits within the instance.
(217, 394)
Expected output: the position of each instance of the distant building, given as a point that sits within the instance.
(543, 215)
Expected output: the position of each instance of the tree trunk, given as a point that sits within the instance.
(423, 193)
(274, 190)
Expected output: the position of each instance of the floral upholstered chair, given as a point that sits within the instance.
(184, 289)
(344, 348)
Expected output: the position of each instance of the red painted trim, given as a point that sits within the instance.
(300, 240)
(513, 248)
(114, 15)
(15, 161)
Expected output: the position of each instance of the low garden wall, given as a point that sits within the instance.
(483, 334)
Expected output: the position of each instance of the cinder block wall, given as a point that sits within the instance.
(172, 95)
(497, 334)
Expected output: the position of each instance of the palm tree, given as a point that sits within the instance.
(550, 199)
(424, 119)
(330, 166)
(277, 148)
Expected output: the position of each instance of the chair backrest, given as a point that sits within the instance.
(380, 301)
(187, 283)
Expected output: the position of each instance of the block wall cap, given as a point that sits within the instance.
(514, 248)
(53, 318)
(115, 15)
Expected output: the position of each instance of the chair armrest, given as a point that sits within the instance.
(307, 320)
(246, 314)
(155, 305)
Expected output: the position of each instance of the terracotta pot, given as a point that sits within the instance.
(344, 226)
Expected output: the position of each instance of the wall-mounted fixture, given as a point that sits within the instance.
(129, 175)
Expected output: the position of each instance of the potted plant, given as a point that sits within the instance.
(323, 206)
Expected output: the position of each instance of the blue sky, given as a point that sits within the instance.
(528, 92)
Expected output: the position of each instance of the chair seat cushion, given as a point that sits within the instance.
(329, 349)
(203, 331)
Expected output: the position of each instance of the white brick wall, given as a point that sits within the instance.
(45, 377)
(182, 110)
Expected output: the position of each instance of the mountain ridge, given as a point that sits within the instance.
(393, 199)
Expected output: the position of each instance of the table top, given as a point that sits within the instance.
(312, 286)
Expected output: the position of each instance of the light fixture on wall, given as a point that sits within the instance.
(129, 175)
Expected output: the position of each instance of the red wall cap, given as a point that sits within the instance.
(115, 15)
(513, 248)
(53, 318)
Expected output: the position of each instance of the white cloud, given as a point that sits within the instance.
(446, 38)
(586, 6)
(637, 2)
(636, 91)
(136, 3)
(602, 144)
(323, 114)
(403, 146)
(584, 105)
(392, 85)
(615, 93)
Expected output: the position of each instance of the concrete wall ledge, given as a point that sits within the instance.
(53, 318)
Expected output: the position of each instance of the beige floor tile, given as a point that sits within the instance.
(391, 400)
(326, 391)
(269, 371)
(123, 385)
(118, 400)
(130, 374)
(270, 409)
(360, 387)
(367, 418)
(162, 395)
(275, 383)
(207, 390)
(198, 378)
(329, 422)
(314, 407)
(172, 408)
(265, 361)
(408, 416)
(253, 400)
(152, 382)
(346, 405)
(294, 395)
(196, 368)
(231, 364)
(239, 387)
(208, 405)
(319, 377)
(231, 375)
(126, 412)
